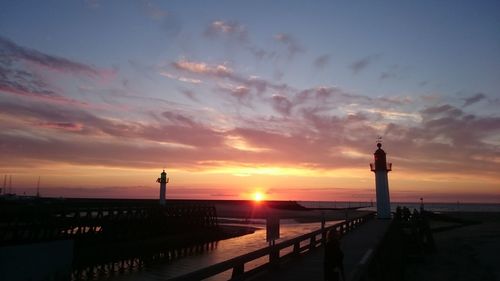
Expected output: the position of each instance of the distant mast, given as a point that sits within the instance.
(163, 180)
(38, 187)
(381, 168)
(4, 189)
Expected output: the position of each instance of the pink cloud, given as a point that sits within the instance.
(226, 28)
(44, 95)
(218, 70)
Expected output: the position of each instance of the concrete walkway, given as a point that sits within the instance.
(358, 246)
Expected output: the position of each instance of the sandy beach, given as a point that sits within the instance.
(469, 252)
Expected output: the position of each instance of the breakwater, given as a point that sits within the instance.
(110, 236)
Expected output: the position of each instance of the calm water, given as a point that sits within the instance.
(230, 248)
(224, 250)
(436, 207)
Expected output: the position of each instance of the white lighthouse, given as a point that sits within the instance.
(381, 168)
(163, 180)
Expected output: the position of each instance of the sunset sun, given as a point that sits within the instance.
(258, 196)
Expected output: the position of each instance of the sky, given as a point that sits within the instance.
(287, 98)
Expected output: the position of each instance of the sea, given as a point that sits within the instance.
(289, 228)
(434, 207)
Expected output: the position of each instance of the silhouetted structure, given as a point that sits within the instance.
(381, 168)
(163, 180)
(110, 235)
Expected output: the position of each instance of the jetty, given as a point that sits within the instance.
(126, 234)
(364, 242)
(360, 247)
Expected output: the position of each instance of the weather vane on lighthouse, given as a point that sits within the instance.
(381, 168)
(163, 180)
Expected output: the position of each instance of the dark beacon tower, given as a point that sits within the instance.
(381, 168)
(163, 180)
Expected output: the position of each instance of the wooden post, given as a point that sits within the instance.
(296, 248)
(238, 270)
(274, 257)
(312, 243)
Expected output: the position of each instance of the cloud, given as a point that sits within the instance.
(447, 140)
(180, 78)
(302, 136)
(395, 71)
(153, 11)
(233, 32)
(241, 93)
(293, 46)
(169, 22)
(473, 99)
(62, 125)
(10, 49)
(387, 75)
(229, 29)
(361, 64)
(23, 73)
(330, 97)
(190, 95)
(446, 110)
(29, 85)
(218, 70)
(322, 61)
(221, 71)
(281, 104)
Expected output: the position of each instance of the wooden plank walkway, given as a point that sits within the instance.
(358, 246)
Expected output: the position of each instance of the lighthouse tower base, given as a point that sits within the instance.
(382, 189)
(163, 190)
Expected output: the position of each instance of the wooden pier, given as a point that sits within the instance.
(301, 258)
(360, 246)
(93, 220)
(109, 236)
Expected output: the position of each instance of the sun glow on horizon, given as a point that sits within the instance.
(258, 196)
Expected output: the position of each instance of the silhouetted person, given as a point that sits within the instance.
(399, 213)
(406, 214)
(334, 258)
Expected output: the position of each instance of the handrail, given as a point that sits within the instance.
(237, 264)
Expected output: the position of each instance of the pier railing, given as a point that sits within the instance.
(295, 247)
(32, 222)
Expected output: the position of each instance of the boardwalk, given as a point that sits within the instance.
(358, 247)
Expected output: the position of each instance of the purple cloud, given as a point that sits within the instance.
(293, 46)
(10, 49)
(361, 64)
(281, 104)
(20, 74)
(322, 61)
(473, 99)
(28, 85)
(190, 95)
